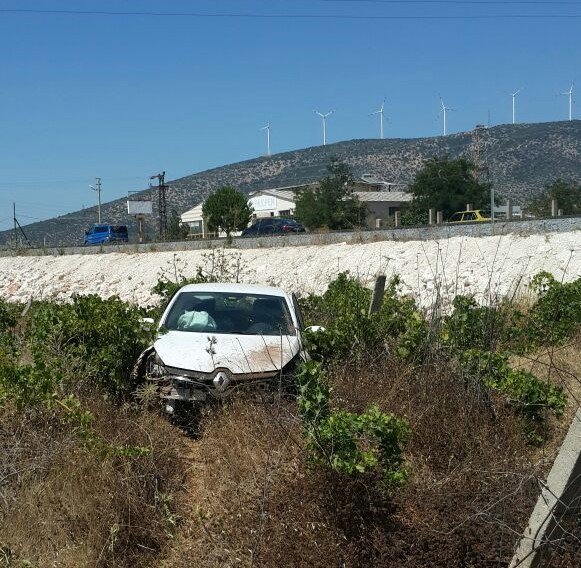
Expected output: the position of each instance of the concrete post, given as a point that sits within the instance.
(509, 209)
(431, 216)
(439, 217)
(559, 213)
(554, 208)
(378, 291)
(468, 206)
(378, 223)
(140, 228)
(397, 218)
(557, 498)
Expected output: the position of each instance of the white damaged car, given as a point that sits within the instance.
(215, 338)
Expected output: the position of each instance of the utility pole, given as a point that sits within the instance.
(479, 158)
(97, 188)
(161, 202)
(18, 226)
(15, 222)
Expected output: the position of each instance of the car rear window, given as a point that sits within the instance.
(237, 313)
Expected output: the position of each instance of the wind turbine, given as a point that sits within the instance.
(570, 94)
(380, 113)
(324, 117)
(267, 128)
(513, 95)
(444, 109)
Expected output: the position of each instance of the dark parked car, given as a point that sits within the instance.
(273, 226)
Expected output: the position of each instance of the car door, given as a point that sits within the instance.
(265, 227)
(277, 227)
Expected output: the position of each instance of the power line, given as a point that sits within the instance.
(45, 182)
(462, 2)
(249, 15)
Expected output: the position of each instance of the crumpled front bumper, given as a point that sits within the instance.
(178, 384)
(174, 384)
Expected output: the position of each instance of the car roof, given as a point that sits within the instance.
(234, 288)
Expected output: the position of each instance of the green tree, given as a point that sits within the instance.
(227, 209)
(332, 204)
(175, 229)
(567, 195)
(446, 185)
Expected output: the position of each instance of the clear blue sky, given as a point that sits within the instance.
(122, 97)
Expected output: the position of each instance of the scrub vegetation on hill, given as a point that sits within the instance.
(411, 438)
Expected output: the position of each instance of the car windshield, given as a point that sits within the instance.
(221, 312)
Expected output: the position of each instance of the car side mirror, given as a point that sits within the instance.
(147, 323)
(315, 329)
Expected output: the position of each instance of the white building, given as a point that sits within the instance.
(278, 202)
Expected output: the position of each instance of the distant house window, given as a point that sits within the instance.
(285, 213)
(272, 213)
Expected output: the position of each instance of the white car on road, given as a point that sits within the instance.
(215, 338)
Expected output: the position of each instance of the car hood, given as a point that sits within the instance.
(204, 352)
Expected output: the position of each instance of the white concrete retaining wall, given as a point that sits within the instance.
(483, 266)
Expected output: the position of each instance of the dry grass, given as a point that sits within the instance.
(253, 500)
(61, 505)
(247, 496)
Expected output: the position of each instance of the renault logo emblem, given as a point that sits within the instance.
(221, 381)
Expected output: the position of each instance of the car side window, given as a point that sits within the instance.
(469, 216)
(456, 217)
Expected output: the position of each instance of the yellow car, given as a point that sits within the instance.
(476, 216)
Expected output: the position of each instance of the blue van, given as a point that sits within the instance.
(99, 234)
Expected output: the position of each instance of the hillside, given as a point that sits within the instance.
(522, 158)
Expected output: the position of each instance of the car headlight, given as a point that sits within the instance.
(156, 366)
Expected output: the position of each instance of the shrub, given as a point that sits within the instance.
(471, 325)
(8, 320)
(556, 315)
(99, 338)
(351, 330)
(348, 442)
(529, 395)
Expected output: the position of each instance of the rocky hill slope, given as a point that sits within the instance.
(522, 160)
